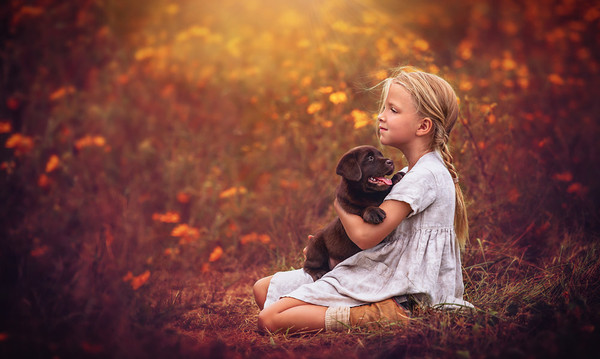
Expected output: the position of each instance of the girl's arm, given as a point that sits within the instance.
(366, 235)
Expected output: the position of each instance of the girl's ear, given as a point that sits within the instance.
(425, 127)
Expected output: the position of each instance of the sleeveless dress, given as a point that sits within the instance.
(420, 258)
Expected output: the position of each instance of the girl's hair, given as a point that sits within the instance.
(434, 98)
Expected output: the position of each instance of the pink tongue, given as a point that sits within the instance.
(387, 181)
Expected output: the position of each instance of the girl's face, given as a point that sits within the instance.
(399, 120)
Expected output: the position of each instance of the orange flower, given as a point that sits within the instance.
(140, 280)
(577, 189)
(509, 64)
(183, 197)
(313, 108)
(52, 164)
(187, 233)
(421, 45)
(20, 143)
(5, 127)
(563, 176)
(327, 124)
(233, 191)
(338, 97)
(325, 89)
(43, 181)
(137, 281)
(216, 254)
(255, 237)
(556, 79)
(39, 251)
(169, 217)
(88, 141)
(180, 230)
(465, 85)
(61, 92)
(361, 119)
(205, 267)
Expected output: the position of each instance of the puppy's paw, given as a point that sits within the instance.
(397, 177)
(374, 215)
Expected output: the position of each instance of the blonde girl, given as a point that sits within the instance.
(414, 254)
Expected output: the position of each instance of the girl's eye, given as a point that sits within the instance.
(393, 110)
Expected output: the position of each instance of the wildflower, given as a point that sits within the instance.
(61, 92)
(233, 191)
(361, 119)
(43, 181)
(39, 251)
(136, 281)
(89, 141)
(577, 189)
(5, 127)
(325, 89)
(169, 217)
(563, 176)
(421, 45)
(338, 97)
(255, 237)
(314, 107)
(20, 143)
(52, 163)
(183, 197)
(556, 79)
(216, 254)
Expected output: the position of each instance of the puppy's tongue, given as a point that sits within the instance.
(383, 180)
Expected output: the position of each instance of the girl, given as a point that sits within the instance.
(414, 254)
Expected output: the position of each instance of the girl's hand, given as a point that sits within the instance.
(366, 235)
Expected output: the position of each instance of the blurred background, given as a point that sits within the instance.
(147, 144)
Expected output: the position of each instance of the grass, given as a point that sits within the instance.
(157, 159)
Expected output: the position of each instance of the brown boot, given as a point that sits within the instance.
(377, 314)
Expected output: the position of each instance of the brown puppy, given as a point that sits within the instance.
(361, 191)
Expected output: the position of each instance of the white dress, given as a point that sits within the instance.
(420, 258)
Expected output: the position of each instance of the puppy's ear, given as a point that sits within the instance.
(349, 168)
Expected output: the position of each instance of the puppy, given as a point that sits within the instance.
(361, 190)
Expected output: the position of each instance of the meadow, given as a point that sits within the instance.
(158, 157)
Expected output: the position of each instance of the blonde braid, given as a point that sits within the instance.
(435, 99)
(461, 221)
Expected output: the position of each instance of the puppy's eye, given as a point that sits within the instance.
(371, 158)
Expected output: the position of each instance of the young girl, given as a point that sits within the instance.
(415, 252)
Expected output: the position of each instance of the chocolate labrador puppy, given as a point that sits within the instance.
(362, 189)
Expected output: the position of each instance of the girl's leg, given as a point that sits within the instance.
(292, 314)
(260, 291)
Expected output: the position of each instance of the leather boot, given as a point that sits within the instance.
(377, 314)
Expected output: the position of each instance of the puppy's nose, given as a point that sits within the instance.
(389, 162)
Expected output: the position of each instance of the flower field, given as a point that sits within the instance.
(158, 157)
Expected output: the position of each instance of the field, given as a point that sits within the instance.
(158, 157)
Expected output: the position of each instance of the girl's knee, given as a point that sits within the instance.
(260, 289)
(265, 321)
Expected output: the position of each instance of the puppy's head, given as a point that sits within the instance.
(366, 166)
